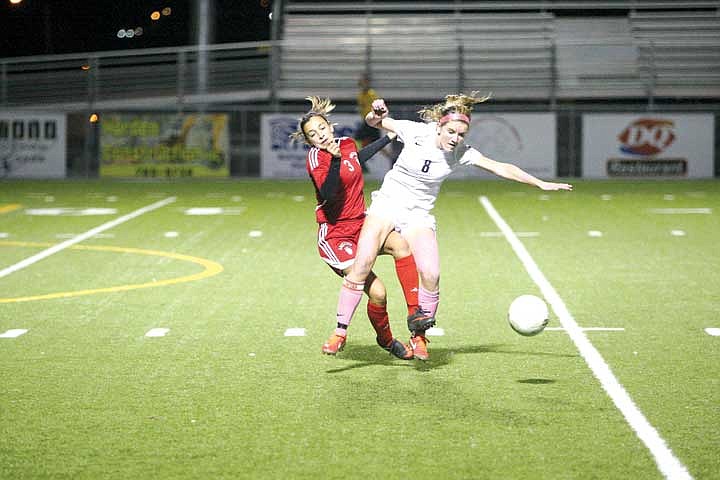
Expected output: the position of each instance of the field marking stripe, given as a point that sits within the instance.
(83, 236)
(9, 207)
(668, 464)
(210, 268)
(590, 329)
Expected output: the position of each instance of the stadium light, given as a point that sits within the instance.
(154, 16)
(15, 2)
(130, 32)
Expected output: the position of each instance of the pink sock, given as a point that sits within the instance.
(347, 303)
(428, 300)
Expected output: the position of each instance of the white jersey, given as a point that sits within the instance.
(415, 179)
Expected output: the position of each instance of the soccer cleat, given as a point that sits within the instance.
(419, 321)
(334, 344)
(419, 347)
(397, 348)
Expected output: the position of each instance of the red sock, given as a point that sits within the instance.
(408, 275)
(381, 323)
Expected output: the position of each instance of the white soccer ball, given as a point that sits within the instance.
(528, 315)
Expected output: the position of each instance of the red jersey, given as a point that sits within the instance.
(348, 202)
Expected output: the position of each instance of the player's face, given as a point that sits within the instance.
(318, 132)
(451, 134)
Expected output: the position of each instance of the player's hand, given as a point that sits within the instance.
(378, 112)
(333, 148)
(552, 186)
(379, 108)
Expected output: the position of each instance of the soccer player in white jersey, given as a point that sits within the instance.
(432, 149)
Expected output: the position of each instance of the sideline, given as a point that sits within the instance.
(667, 462)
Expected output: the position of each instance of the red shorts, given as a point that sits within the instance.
(337, 244)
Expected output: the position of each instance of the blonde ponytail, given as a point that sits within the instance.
(460, 103)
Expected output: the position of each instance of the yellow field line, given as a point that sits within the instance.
(210, 269)
(9, 207)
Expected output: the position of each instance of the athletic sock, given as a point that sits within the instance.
(429, 301)
(350, 296)
(408, 275)
(380, 321)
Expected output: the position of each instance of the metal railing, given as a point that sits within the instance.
(314, 6)
(149, 78)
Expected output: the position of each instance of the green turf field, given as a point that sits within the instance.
(85, 394)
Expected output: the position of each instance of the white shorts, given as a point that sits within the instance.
(402, 216)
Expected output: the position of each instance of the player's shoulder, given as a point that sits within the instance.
(346, 141)
(314, 156)
(413, 125)
(410, 128)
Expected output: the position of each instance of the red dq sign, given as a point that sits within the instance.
(647, 136)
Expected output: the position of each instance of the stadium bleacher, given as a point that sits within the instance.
(680, 51)
(517, 50)
(530, 50)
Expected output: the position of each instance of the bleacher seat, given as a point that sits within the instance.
(416, 55)
(681, 52)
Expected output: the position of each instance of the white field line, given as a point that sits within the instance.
(680, 211)
(157, 332)
(589, 329)
(14, 333)
(668, 464)
(82, 237)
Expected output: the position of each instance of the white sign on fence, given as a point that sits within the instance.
(32, 144)
(527, 140)
(282, 158)
(648, 145)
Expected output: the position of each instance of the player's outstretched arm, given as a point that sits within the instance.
(513, 172)
(367, 152)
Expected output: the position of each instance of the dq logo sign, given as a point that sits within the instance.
(647, 136)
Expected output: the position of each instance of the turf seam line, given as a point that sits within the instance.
(83, 236)
(666, 461)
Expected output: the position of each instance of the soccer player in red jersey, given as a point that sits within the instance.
(334, 166)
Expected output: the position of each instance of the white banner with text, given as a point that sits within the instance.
(32, 144)
(656, 145)
(525, 139)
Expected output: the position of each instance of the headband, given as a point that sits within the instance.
(455, 116)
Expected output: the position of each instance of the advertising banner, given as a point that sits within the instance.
(283, 158)
(654, 145)
(164, 145)
(527, 140)
(32, 145)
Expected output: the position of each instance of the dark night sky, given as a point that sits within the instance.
(39, 27)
